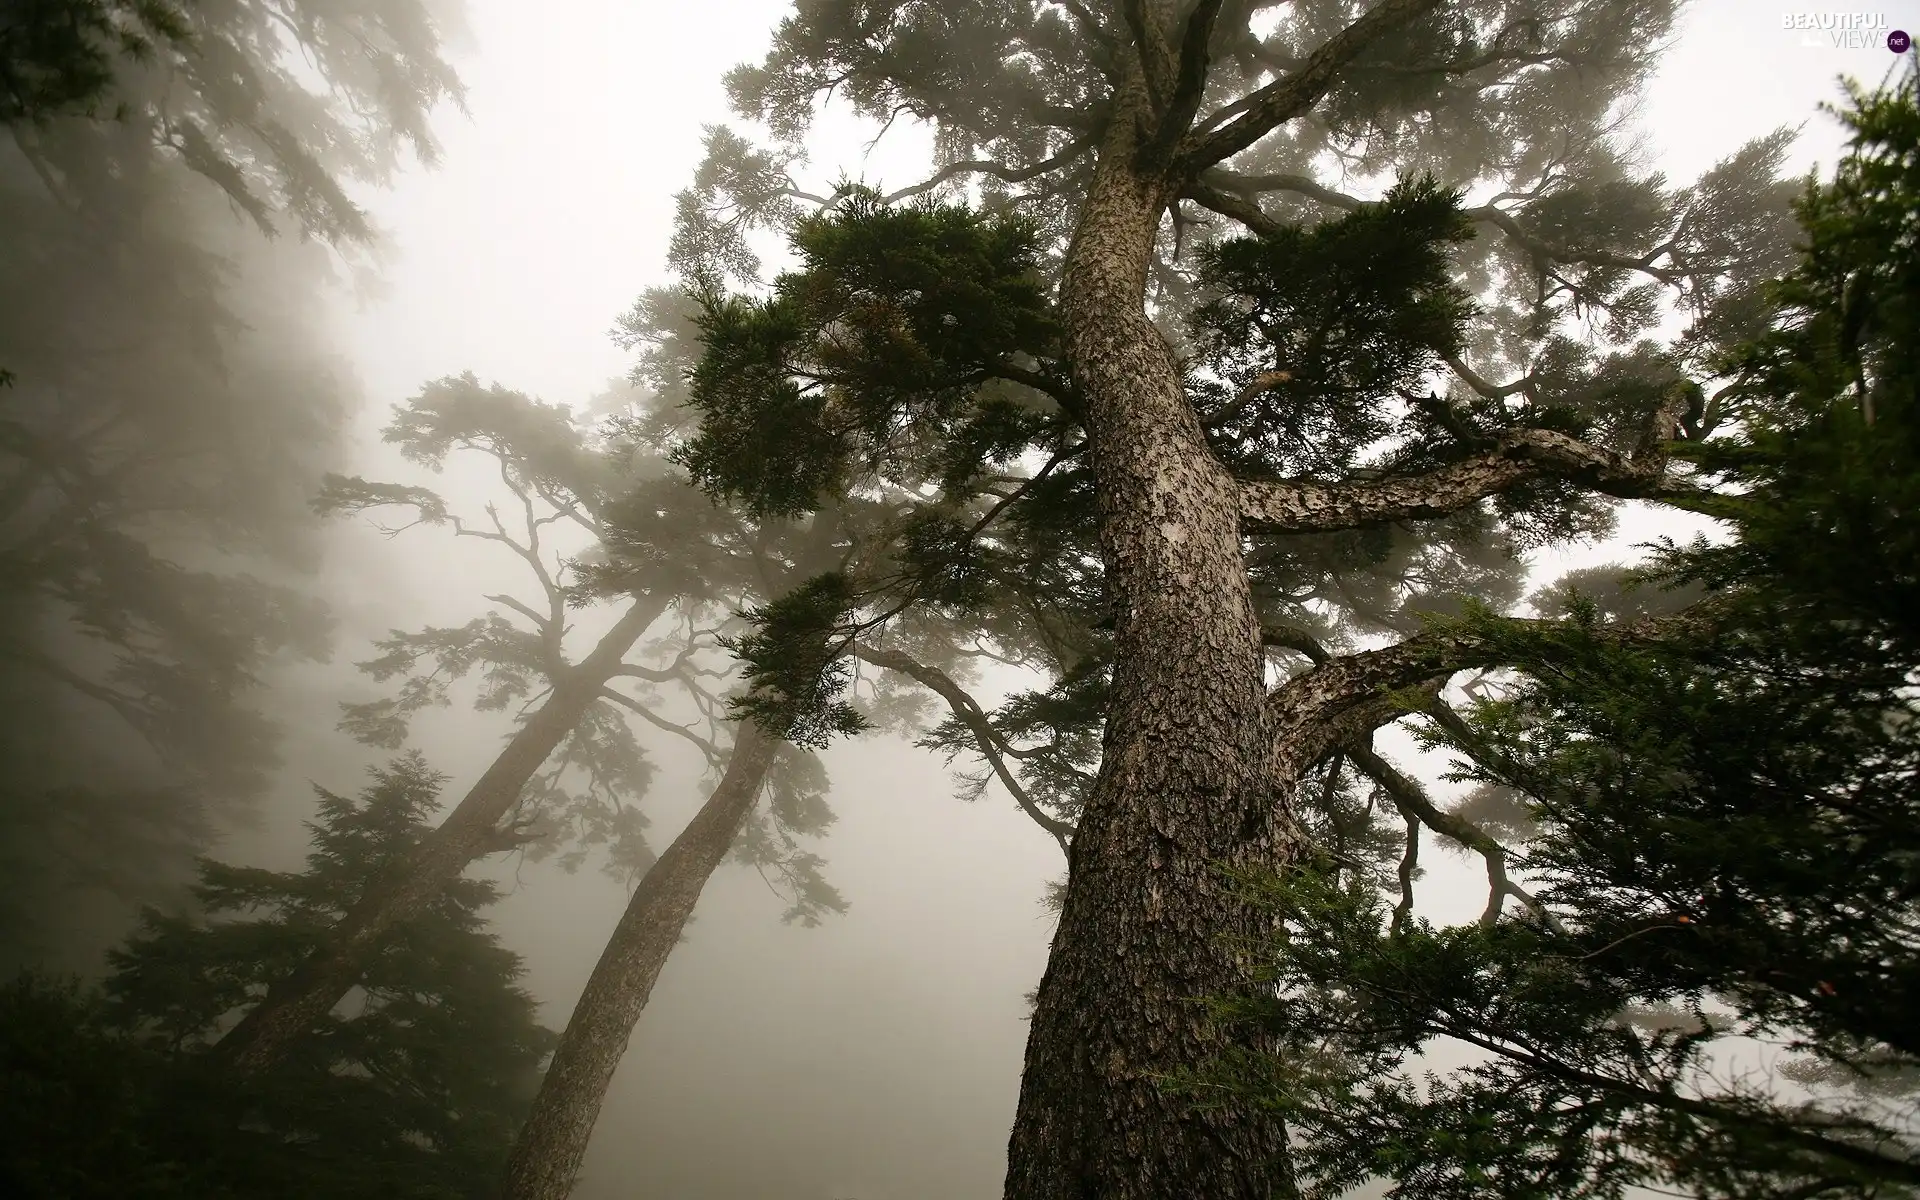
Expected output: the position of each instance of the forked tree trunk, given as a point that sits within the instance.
(470, 832)
(1182, 787)
(554, 1139)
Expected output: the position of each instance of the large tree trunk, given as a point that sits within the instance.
(1183, 787)
(555, 1136)
(470, 832)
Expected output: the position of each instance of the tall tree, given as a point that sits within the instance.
(411, 1091)
(1723, 829)
(1238, 433)
(173, 404)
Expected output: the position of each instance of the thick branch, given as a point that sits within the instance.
(1284, 99)
(1518, 456)
(1189, 83)
(1335, 704)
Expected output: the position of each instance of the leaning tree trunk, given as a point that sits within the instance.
(1182, 788)
(470, 832)
(554, 1138)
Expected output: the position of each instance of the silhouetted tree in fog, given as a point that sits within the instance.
(172, 405)
(411, 1089)
(570, 501)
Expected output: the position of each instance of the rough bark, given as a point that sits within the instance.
(1182, 786)
(1517, 457)
(470, 832)
(554, 1139)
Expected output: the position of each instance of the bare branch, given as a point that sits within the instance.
(539, 622)
(1067, 154)
(707, 748)
(1414, 804)
(1259, 386)
(1479, 384)
(970, 714)
(1235, 208)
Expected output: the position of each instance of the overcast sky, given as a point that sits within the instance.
(877, 1057)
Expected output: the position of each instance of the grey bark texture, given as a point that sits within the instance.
(470, 832)
(1199, 762)
(1182, 788)
(553, 1141)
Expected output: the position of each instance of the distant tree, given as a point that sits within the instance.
(599, 525)
(173, 406)
(410, 1089)
(1714, 983)
(1239, 338)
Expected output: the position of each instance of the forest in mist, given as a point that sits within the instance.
(927, 599)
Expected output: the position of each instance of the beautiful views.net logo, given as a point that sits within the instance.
(1846, 30)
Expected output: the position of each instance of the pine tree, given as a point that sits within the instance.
(1714, 986)
(1149, 392)
(411, 1087)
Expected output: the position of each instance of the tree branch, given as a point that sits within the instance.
(1189, 84)
(1230, 195)
(1067, 154)
(1337, 702)
(707, 748)
(1414, 804)
(1518, 456)
(1284, 99)
(969, 713)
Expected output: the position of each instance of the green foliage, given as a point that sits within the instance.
(1713, 992)
(863, 356)
(1311, 322)
(58, 57)
(795, 672)
(1354, 311)
(412, 1087)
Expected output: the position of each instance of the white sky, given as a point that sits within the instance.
(549, 215)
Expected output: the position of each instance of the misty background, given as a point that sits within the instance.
(876, 1056)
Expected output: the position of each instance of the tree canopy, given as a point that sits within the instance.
(1219, 342)
(1707, 988)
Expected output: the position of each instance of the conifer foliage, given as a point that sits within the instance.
(412, 1087)
(1715, 986)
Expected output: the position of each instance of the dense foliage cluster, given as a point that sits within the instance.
(412, 1087)
(1713, 989)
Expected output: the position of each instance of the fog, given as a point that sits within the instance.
(877, 1056)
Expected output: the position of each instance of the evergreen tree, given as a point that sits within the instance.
(1715, 985)
(1153, 405)
(412, 1087)
(173, 406)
